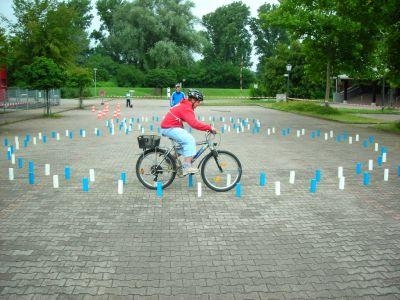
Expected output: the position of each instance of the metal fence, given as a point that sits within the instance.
(17, 98)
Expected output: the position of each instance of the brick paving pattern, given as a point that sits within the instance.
(61, 243)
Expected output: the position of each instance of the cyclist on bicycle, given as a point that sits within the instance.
(172, 127)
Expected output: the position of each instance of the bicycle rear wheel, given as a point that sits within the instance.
(153, 166)
(221, 171)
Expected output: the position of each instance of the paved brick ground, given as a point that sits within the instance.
(66, 243)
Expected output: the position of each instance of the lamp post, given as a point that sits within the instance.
(288, 69)
(95, 73)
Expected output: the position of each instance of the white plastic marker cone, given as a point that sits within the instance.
(384, 157)
(120, 187)
(341, 183)
(326, 136)
(331, 133)
(350, 140)
(34, 140)
(40, 135)
(298, 133)
(198, 189)
(370, 165)
(58, 136)
(277, 188)
(376, 147)
(47, 169)
(303, 131)
(357, 137)
(91, 175)
(386, 175)
(67, 133)
(11, 173)
(340, 172)
(292, 177)
(55, 182)
(13, 158)
(228, 179)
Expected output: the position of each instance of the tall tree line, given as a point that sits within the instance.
(158, 42)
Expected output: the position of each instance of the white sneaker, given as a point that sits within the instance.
(190, 170)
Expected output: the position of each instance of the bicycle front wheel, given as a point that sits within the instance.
(221, 170)
(153, 166)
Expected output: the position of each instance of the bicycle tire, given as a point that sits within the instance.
(212, 175)
(145, 167)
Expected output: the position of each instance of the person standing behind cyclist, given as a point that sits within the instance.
(176, 96)
(172, 127)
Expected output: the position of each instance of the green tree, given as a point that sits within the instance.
(129, 76)
(144, 33)
(44, 74)
(330, 31)
(160, 78)
(79, 78)
(49, 28)
(227, 34)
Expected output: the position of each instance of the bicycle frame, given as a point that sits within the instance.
(207, 144)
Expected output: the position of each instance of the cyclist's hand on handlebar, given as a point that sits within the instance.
(213, 131)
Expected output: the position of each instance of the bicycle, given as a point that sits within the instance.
(220, 170)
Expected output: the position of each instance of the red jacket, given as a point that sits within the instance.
(183, 112)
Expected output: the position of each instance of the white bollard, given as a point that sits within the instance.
(91, 175)
(198, 189)
(370, 165)
(357, 137)
(277, 188)
(228, 179)
(120, 187)
(341, 183)
(11, 173)
(292, 177)
(13, 158)
(386, 175)
(55, 182)
(384, 157)
(350, 140)
(340, 172)
(47, 169)
(376, 147)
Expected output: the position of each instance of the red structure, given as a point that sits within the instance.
(3, 84)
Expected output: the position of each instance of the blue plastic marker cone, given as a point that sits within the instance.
(318, 175)
(6, 142)
(44, 139)
(367, 178)
(263, 179)
(358, 168)
(67, 173)
(238, 190)
(123, 177)
(31, 167)
(20, 163)
(159, 189)
(85, 184)
(190, 180)
(313, 185)
(31, 178)
(379, 160)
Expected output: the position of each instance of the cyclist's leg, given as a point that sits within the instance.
(188, 143)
